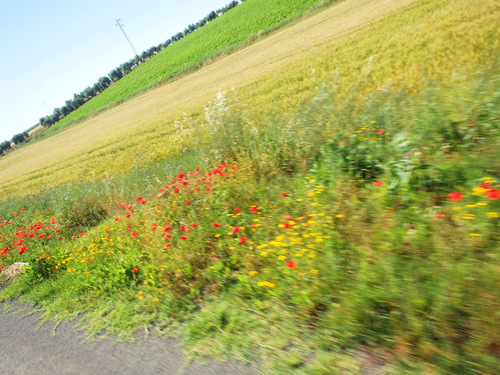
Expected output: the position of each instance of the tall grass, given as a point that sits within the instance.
(344, 235)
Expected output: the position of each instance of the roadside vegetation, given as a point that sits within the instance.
(354, 228)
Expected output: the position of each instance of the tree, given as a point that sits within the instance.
(4, 146)
(115, 74)
(103, 83)
(19, 138)
(88, 93)
(211, 16)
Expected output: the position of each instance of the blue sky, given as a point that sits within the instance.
(52, 49)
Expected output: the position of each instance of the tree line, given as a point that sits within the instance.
(114, 75)
(104, 82)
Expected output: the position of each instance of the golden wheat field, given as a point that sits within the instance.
(414, 40)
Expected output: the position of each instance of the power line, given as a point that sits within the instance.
(126, 37)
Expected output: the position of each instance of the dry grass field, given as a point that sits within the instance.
(372, 44)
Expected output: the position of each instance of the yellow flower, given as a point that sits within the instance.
(474, 234)
(493, 214)
(282, 257)
(266, 283)
(140, 297)
(314, 271)
(340, 216)
(264, 254)
(253, 273)
(482, 204)
(156, 299)
(312, 256)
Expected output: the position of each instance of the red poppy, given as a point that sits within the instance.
(291, 264)
(343, 143)
(187, 203)
(168, 245)
(133, 234)
(254, 209)
(217, 225)
(167, 228)
(237, 210)
(236, 230)
(485, 186)
(378, 183)
(381, 131)
(439, 215)
(243, 240)
(194, 225)
(40, 236)
(183, 238)
(493, 194)
(455, 196)
(135, 270)
(284, 195)
(118, 219)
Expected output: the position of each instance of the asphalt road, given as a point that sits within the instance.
(26, 348)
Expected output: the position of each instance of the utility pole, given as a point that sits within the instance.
(126, 37)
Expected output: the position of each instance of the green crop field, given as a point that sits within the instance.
(323, 201)
(245, 20)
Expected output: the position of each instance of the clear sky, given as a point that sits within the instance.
(51, 49)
